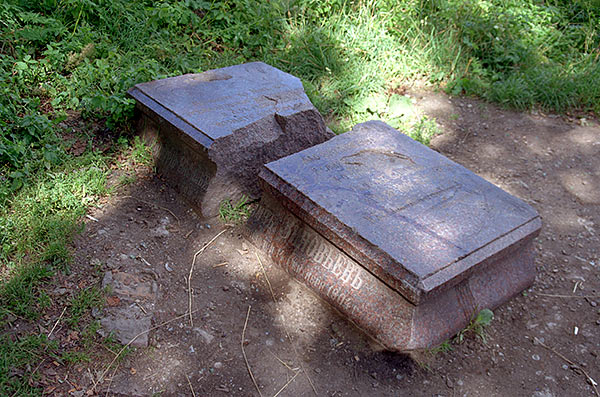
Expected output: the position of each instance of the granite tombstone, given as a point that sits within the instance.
(211, 132)
(408, 244)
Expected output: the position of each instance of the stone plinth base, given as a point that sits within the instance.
(406, 243)
(211, 132)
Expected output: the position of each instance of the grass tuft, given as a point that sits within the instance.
(235, 213)
(140, 152)
(22, 295)
(82, 303)
(477, 326)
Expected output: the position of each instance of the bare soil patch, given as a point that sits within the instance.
(297, 345)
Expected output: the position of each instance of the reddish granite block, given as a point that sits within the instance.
(406, 243)
(212, 132)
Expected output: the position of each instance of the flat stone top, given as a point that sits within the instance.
(218, 102)
(410, 215)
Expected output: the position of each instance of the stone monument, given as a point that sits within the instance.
(211, 132)
(406, 243)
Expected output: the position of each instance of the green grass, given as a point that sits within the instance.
(82, 303)
(235, 213)
(60, 57)
(140, 152)
(76, 357)
(444, 347)
(15, 355)
(36, 226)
(476, 326)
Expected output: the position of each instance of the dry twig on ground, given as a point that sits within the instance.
(568, 296)
(286, 385)
(189, 280)
(56, 323)
(191, 388)
(107, 368)
(244, 353)
(572, 364)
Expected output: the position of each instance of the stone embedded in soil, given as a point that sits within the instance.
(130, 286)
(207, 337)
(405, 242)
(161, 229)
(211, 132)
(123, 315)
(126, 323)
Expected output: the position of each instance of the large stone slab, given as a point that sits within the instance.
(211, 132)
(405, 242)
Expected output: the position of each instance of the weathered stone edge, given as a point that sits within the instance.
(370, 304)
(149, 106)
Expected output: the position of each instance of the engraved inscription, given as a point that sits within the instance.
(333, 275)
(329, 258)
(264, 222)
(341, 297)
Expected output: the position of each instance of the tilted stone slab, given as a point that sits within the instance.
(405, 242)
(211, 132)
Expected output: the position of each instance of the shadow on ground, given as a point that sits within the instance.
(297, 345)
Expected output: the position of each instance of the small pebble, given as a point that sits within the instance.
(536, 357)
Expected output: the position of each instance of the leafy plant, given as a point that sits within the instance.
(477, 326)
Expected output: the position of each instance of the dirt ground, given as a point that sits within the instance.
(296, 345)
